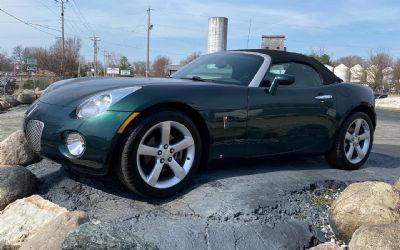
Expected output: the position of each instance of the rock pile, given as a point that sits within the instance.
(367, 215)
(24, 96)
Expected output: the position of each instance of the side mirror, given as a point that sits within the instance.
(280, 80)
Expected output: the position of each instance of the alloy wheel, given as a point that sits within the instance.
(165, 154)
(357, 141)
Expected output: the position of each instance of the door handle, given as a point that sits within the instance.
(323, 97)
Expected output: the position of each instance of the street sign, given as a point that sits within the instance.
(125, 72)
(113, 71)
(31, 68)
(31, 61)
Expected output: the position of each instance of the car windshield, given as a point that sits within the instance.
(230, 68)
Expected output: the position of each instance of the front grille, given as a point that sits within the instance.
(33, 134)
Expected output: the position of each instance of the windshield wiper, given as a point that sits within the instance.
(194, 78)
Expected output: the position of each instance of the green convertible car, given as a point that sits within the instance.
(156, 132)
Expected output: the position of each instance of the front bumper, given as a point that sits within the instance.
(100, 133)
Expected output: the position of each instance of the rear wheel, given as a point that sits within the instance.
(161, 154)
(353, 144)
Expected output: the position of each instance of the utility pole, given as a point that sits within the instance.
(149, 27)
(248, 35)
(79, 68)
(95, 39)
(62, 38)
(104, 63)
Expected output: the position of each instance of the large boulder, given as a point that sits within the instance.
(16, 182)
(53, 234)
(327, 246)
(374, 237)
(24, 218)
(4, 105)
(12, 101)
(396, 185)
(366, 203)
(15, 150)
(92, 236)
(26, 96)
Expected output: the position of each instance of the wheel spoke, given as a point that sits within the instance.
(183, 144)
(177, 169)
(364, 136)
(147, 150)
(349, 136)
(165, 132)
(358, 126)
(349, 153)
(155, 174)
(360, 153)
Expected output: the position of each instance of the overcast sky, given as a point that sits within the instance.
(341, 27)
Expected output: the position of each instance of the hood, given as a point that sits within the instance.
(69, 92)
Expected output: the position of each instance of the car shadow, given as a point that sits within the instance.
(215, 170)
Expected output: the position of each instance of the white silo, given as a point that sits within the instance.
(329, 67)
(356, 73)
(342, 71)
(217, 34)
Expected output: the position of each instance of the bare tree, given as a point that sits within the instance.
(139, 68)
(17, 53)
(190, 58)
(5, 62)
(71, 51)
(321, 55)
(159, 68)
(377, 62)
(396, 76)
(349, 61)
(113, 60)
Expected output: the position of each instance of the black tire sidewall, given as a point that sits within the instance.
(129, 171)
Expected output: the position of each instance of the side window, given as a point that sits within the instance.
(305, 76)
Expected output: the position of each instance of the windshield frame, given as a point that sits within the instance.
(258, 77)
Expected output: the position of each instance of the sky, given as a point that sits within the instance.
(338, 27)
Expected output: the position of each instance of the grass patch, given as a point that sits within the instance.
(321, 200)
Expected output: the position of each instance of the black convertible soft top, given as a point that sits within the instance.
(278, 56)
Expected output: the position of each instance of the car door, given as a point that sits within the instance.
(298, 118)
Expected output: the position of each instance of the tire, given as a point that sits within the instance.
(349, 138)
(148, 165)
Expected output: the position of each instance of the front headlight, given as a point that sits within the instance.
(101, 102)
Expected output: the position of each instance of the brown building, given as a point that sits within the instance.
(276, 42)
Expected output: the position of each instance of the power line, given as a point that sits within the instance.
(47, 7)
(27, 23)
(82, 17)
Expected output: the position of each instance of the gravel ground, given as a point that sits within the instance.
(267, 203)
(11, 120)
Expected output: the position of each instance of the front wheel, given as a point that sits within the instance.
(353, 144)
(160, 155)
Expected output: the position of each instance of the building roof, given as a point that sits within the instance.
(272, 36)
(278, 56)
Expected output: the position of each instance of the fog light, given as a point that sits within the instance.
(75, 144)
